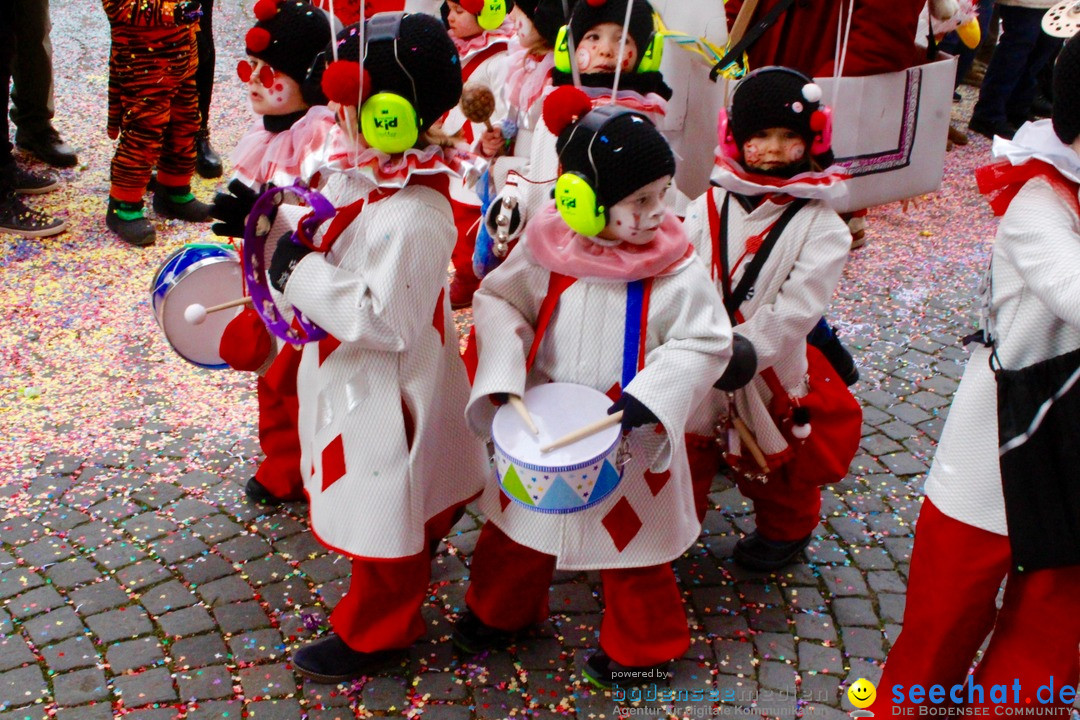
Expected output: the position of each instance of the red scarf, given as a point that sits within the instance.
(1000, 181)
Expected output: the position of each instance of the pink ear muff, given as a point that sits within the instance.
(821, 124)
(725, 139)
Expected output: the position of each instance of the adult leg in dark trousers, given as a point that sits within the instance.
(32, 93)
(16, 217)
(207, 162)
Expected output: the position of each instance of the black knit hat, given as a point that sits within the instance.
(426, 61)
(1066, 115)
(585, 16)
(546, 15)
(627, 154)
(777, 96)
(288, 35)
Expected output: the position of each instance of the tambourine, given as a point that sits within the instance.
(1063, 19)
(256, 233)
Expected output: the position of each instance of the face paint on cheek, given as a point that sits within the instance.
(584, 58)
(796, 151)
(751, 152)
(628, 61)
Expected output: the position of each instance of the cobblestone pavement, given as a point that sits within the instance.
(136, 579)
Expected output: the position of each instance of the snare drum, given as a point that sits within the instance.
(567, 479)
(207, 274)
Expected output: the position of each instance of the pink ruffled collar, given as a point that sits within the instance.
(528, 75)
(559, 249)
(476, 43)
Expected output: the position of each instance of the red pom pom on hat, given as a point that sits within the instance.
(341, 83)
(596, 3)
(472, 6)
(817, 121)
(266, 9)
(257, 39)
(565, 105)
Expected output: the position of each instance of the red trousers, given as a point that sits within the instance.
(279, 472)
(467, 221)
(381, 611)
(703, 455)
(644, 621)
(956, 572)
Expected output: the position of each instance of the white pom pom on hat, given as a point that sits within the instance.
(812, 92)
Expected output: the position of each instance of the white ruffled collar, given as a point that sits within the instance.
(1037, 141)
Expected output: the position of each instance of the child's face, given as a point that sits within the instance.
(280, 98)
(463, 24)
(526, 31)
(773, 148)
(636, 218)
(597, 51)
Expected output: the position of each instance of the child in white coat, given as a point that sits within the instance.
(561, 308)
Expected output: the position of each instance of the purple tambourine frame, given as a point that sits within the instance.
(256, 233)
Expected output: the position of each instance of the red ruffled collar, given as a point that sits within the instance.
(1001, 181)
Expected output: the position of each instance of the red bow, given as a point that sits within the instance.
(1000, 181)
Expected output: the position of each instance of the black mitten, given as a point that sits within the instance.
(187, 12)
(287, 255)
(635, 414)
(741, 368)
(232, 209)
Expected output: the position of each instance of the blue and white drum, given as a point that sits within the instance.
(567, 479)
(203, 274)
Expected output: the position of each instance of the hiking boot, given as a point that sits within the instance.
(48, 148)
(330, 660)
(207, 162)
(756, 552)
(472, 635)
(20, 219)
(27, 182)
(603, 672)
(127, 220)
(179, 204)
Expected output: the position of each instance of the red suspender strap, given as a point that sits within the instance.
(644, 321)
(557, 283)
(478, 59)
(714, 234)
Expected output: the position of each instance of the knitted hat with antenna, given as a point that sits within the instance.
(425, 59)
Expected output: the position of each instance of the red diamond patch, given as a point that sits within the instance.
(333, 462)
(622, 523)
(657, 481)
(439, 319)
(326, 346)
(614, 392)
(504, 500)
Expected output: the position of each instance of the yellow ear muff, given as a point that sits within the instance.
(652, 55)
(492, 15)
(576, 201)
(562, 51)
(389, 123)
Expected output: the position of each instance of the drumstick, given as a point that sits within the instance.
(748, 440)
(584, 432)
(519, 405)
(230, 304)
(196, 313)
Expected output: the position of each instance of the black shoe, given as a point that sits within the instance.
(755, 552)
(48, 148)
(330, 660)
(603, 672)
(178, 203)
(473, 636)
(127, 220)
(259, 495)
(27, 182)
(19, 219)
(1041, 107)
(956, 97)
(989, 130)
(207, 162)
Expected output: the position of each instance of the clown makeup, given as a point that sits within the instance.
(773, 148)
(270, 93)
(596, 52)
(636, 218)
(463, 24)
(527, 35)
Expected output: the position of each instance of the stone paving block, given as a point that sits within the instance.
(841, 581)
(818, 658)
(167, 596)
(209, 683)
(98, 711)
(287, 709)
(332, 713)
(142, 574)
(278, 526)
(288, 594)
(815, 711)
(186, 622)
(58, 624)
(151, 686)
(448, 712)
(134, 654)
(777, 676)
(45, 551)
(872, 557)
(572, 598)
(885, 524)
(775, 646)
(886, 582)
(540, 653)
(216, 710)
(267, 570)
(854, 611)
(204, 569)
(727, 626)
(14, 652)
(120, 624)
(769, 619)
(326, 568)
(237, 617)
(117, 555)
(821, 551)
(756, 592)
(198, 651)
(116, 509)
(821, 689)
(92, 599)
(494, 704)
(892, 607)
(148, 526)
(256, 646)
(853, 530)
(22, 686)
(178, 546)
(382, 694)
(900, 548)
(441, 686)
(189, 510)
(19, 530)
(72, 653)
(267, 681)
(61, 517)
(157, 494)
(863, 642)
(815, 626)
(72, 573)
(34, 602)
(216, 528)
(226, 590)
(339, 695)
(198, 479)
(804, 598)
(302, 546)
(244, 547)
(93, 535)
(878, 444)
(446, 567)
(734, 657)
(80, 686)
(902, 463)
(154, 714)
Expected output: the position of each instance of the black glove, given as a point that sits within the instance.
(512, 230)
(635, 414)
(741, 368)
(187, 12)
(287, 255)
(232, 209)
